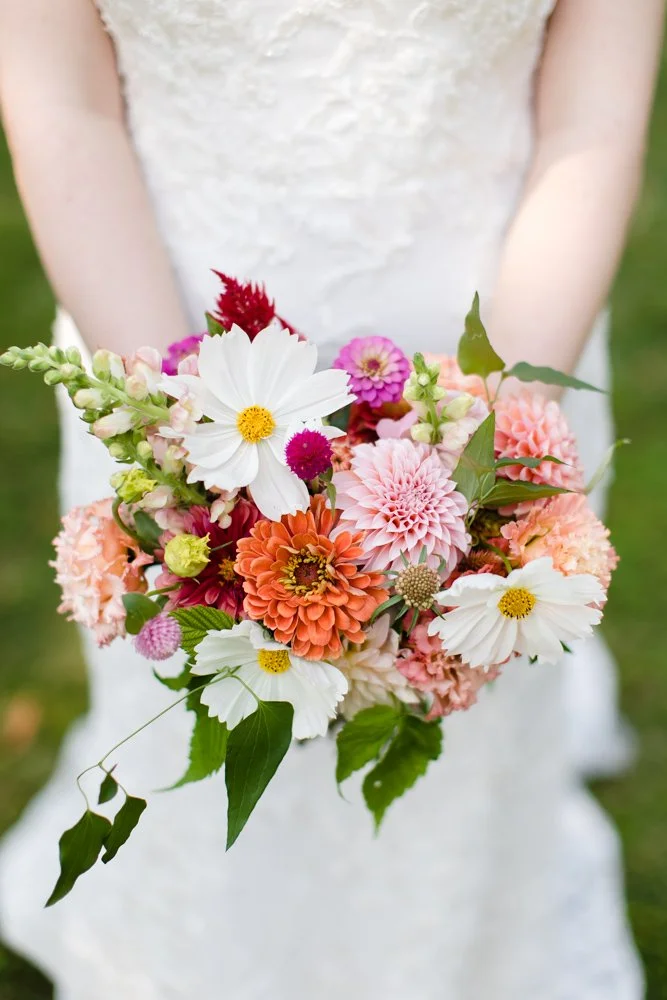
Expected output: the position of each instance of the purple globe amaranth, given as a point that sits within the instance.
(159, 638)
(308, 453)
(378, 369)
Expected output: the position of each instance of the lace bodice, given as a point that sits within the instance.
(321, 144)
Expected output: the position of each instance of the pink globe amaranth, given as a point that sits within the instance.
(530, 426)
(308, 453)
(378, 369)
(402, 500)
(159, 638)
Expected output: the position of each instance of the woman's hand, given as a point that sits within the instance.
(593, 98)
(78, 176)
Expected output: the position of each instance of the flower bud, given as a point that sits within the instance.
(69, 372)
(433, 368)
(52, 377)
(438, 393)
(73, 355)
(38, 365)
(117, 451)
(172, 462)
(187, 555)
(459, 406)
(136, 387)
(112, 424)
(423, 380)
(422, 433)
(89, 399)
(108, 363)
(132, 485)
(144, 451)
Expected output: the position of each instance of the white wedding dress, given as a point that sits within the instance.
(363, 158)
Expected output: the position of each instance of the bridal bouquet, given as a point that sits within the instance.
(360, 549)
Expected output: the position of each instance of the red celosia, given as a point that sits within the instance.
(247, 305)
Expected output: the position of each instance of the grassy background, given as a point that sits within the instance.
(42, 682)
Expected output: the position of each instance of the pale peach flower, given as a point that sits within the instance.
(565, 528)
(530, 426)
(371, 671)
(96, 563)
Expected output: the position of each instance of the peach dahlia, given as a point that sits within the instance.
(304, 585)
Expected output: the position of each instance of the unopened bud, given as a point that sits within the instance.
(133, 485)
(423, 379)
(433, 368)
(187, 555)
(144, 451)
(438, 393)
(113, 424)
(74, 356)
(136, 387)
(459, 406)
(108, 363)
(38, 365)
(422, 433)
(89, 399)
(53, 377)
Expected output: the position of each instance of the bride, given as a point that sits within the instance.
(373, 162)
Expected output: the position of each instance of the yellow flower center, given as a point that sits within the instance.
(255, 423)
(306, 573)
(517, 602)
(226, 570)
(273, 661)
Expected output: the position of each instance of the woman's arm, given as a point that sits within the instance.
(78, 177)
(593, 99)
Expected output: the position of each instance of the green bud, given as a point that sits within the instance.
(108, 363)
(133, 485)
(423, 380)
(187, 555)
(144, 451)
(459, 406)
(19, 364)
(74, 356)
(434, 369)
(57, 354)
(68, 371)
(438, 393)
(89, 399)
(422, 433)
(53, 377)
(8, 358)
(38, 365)
(118, 451)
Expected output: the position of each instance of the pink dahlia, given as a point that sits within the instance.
(400, 497)
(452, 684)
(530, 426)
(96, 564)
(451, 376)
(377, 369)
(565, 528)
(179, 351)
(218, 584)
(159, 638)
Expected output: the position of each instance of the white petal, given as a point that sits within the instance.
(279, 359)
(227, 648)
(229, 700)
(275, 489)
(237, 471)
(321, 394)
(212, 445)
(471, 590)
(537, 640)
(223, 367)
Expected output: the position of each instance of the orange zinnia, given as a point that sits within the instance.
(306, 586)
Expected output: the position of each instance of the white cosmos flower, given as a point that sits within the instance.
(272, 672)
(252, 392)
(531, 611)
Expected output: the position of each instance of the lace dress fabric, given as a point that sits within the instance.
(363, 158)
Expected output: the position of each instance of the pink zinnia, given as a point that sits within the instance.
(218, 585)
(308, 453)
(400, 497)
(180, 350)
(377, 369)
(96, 564)
(452, 684)
(530, 426)
(565, 528)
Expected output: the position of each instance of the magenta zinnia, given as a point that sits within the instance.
(218, 584)
(377, 369)
(401, 499)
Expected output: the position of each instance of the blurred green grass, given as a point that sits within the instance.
(42, 681)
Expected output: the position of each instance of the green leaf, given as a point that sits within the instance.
(363, 737)
(255, 749)
(474, 474)
(179, 682)
(80, 847)
(475, 353)
(407, 758)
(148, 530)
(196, 622)
(341, 418)
(385, 606)
(550, 376)
(108, 789)
(528, 463)
(601, 470)
(124, 823)
(214, 327)
(208, 747)
(509, 491)
(139, 609)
